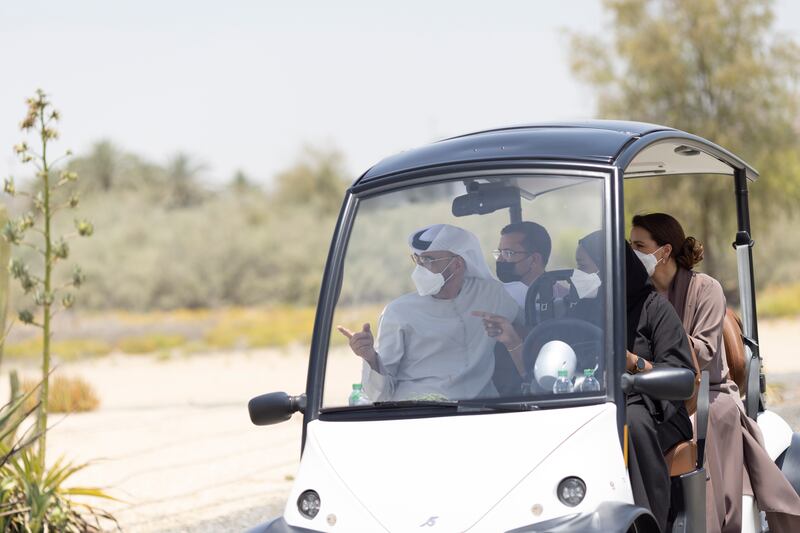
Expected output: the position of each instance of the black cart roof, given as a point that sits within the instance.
(638, 148)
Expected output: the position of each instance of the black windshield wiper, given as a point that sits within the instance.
(416, 403)
(497, 406)
(461, 405)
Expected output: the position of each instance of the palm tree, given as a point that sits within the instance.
(182, 174)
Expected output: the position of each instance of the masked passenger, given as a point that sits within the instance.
(735, 458)
(655, 337)
(522, 256)
(429, 342)
(587, 278)
(532, 240)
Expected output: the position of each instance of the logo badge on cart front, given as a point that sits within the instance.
(430, 522)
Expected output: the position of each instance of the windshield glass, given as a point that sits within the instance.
(490, 288)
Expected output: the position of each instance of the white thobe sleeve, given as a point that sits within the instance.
(380, 383)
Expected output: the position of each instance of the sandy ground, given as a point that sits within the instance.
(174, 441)
(172, 438)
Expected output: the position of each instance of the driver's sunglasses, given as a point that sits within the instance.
(507, 254)
(426, 262)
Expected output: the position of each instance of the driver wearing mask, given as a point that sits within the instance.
(522, 256)
(585, 278)
(431, 342)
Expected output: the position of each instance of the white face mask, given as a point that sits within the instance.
(586, 285)
(427, 282)
(650, 261)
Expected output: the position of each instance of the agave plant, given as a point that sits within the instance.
(35, 500)
(12, 415)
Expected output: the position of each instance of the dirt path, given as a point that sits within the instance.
(780, 345)
(173, 439)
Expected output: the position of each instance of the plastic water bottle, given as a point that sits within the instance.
(358, 396)
(562, 385)
(590, 383)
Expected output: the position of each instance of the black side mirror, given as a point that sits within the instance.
(661, 383)
(275, 407)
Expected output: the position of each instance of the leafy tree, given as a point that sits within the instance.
(241, 182)
(101, 168)
(715, 68)
(316, 181)
(108, 168)
(182, 175)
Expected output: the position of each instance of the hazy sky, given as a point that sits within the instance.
(242, 85)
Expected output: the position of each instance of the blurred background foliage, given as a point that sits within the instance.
(717, 69)
(168, 240)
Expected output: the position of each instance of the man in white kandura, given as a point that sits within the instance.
(433, 341)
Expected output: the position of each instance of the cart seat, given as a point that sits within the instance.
(734, 349)
(682, 458)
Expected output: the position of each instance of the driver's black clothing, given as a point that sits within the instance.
(655, 333)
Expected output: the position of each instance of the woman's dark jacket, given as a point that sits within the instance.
(655, 333)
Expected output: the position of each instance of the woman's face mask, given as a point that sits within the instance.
(428, 283)
(650, 261)
(586, 285)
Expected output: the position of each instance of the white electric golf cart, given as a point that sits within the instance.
(525, 459)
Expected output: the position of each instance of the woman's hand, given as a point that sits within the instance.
(630, 363)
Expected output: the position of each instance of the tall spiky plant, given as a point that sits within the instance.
(5, 255)
(53, 192)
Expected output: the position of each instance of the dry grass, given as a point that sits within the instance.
(152, 317)
(782, 301)
(66, 350)
(775, 393)
(66, 395)
(256, 328)
(154, 342)
(194, 331)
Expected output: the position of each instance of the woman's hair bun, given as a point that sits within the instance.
(690, 253)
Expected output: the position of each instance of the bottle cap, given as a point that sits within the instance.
(356, 386)
(562, 373)
(588, 372)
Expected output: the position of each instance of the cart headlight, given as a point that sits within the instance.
(571, 491)
(308, 504)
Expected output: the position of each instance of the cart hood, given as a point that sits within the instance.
(449, 470)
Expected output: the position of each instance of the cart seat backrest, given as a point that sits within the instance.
(691, 403)
(734, 348)
(682, 458)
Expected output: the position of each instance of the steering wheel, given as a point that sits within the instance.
(540, 301)
(583, 337)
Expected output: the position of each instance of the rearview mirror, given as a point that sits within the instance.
(485, 198)
(661, 383)
(275, 407)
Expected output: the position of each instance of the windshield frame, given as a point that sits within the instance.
(334, 271)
